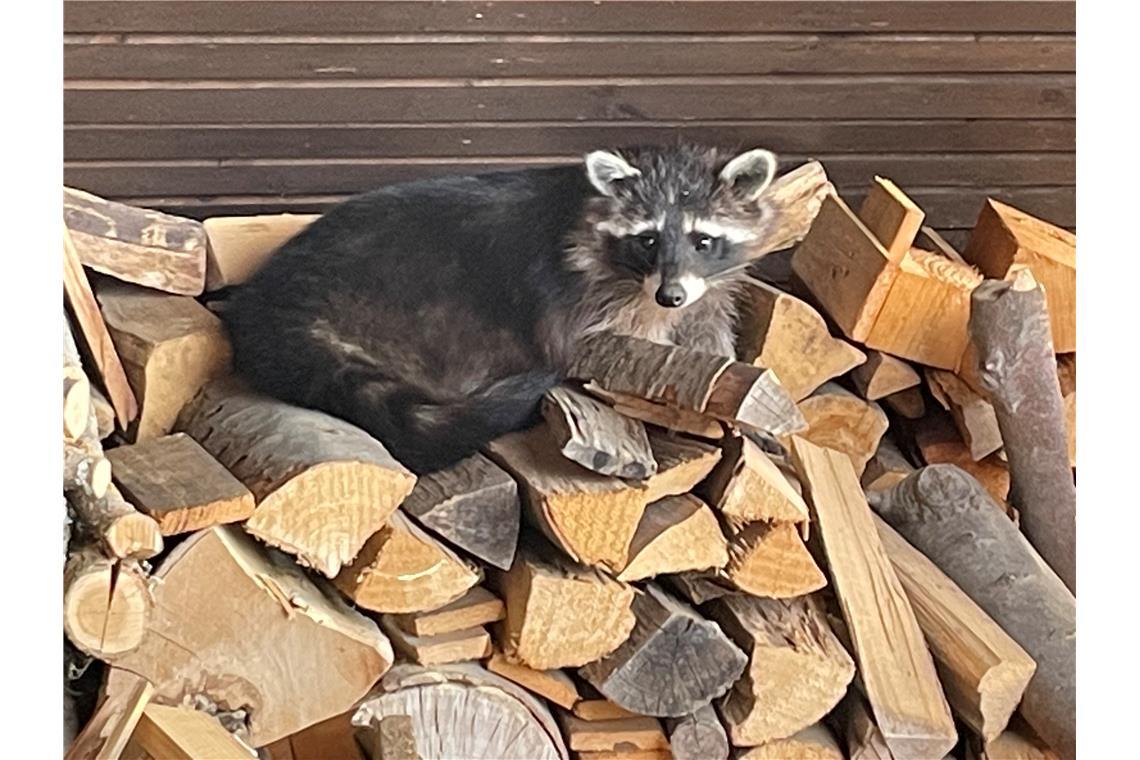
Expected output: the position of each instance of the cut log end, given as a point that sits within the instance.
(105, 609)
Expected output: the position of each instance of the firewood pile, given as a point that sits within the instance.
(816, 549)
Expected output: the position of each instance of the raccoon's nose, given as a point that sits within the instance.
(671, 295)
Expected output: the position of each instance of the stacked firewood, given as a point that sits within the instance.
(693, 556)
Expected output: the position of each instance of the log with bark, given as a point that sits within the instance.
(596, 436)
(106, 605)
(441, 648)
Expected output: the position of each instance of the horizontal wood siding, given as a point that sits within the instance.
(223, 106)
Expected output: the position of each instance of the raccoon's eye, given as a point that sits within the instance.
(703, 243)
(647, 242)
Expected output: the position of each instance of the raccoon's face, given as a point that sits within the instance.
(678, 221)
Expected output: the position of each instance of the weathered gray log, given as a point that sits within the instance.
(673, 663)
(949, 517)
(1009, 325)
(697, 736)
(595, 436)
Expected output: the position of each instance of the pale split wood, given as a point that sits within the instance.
(402, 569)
(883, 374)
(106, 605)
(240, 245)
(973, 415)
(596, 436)
(476, 607)
(770, 560)
(553, 684)
(886, 468)
(1018, 742)
(439, 649)
(600, 709)
(896, 668)
(816, 742)
(181, 733)
(682, 463)
(109, 729)
(939, 442)
(85, 469)
(640, 733)
(697, 736)
(242, 626)
(676, 533)
(892, 217)
(748, 486)
(625, 754)
(838, 419)
(104, 414)
(125, 533)
(794, 199)
(322, 486)
(798, 669)
(789, 337)
(670, 418)
(76, 401)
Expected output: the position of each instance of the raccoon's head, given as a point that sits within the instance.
(677, 221)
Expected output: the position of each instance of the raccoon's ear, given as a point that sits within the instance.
(750, 173)
(606, 169)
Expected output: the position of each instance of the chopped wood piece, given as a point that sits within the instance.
(799, 670)
(816, 742)
(170, 346)
(717, 386)
(1015, 743)
(243, 626)
(897, 671)
(626, 754)
(886, 468)
(676, 533)
(473, 505)
(882, 375)
(770, 559)
(699, 588)
(1067, 375)
(682, 463)
(794, 199)
(1005, 238)
(600, 709)
(949, 517)
(240, 245)
(863, 738)
(838, 419)
(983, 670)
(597, 437)
(176, 482)
(748, 486)
(76, 402)
(591, 517)
(109, 729)
(181, 733)
(505, 721)
(940, 443)
(670, 418)
(332, 739)
(846, 268)
(1010, 327)
(89, 319)
(973, 415)
(698, 736)
(85, 470)
(476, 607)
(402, 569)
(924, 315)
(454, 646)
(124, 532)
(640, 733)
(553, 685)
(673, 662)
(105, 608)
(322, 486)
(394, 738)
(562, 615)
(137, 245)
(891, 217)
(908, 403)
(104, 414)
(784, 334)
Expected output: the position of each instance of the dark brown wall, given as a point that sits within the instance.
(207, 107)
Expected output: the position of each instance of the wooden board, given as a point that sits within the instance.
(891, 217)
(440, 649)
(476, 607)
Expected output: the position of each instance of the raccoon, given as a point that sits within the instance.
(435, 314)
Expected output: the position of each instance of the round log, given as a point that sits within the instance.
(105, 612)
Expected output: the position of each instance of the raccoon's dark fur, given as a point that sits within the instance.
(435, 314)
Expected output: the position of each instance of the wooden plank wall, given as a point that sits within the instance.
(227, 106)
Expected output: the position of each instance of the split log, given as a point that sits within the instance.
(816, 742)
(85, 470)
(553, 685)
(716, 386)
(137, 245)
(673, 662)
(699, 588)
(838, 419)
(1015, 743)
(105, 607)
(440, 649)
(473, 505)
(896, 668)
(402, 569)
(698, 736)
(862, 736)
(676, 534)
(475, 608)
(89, 319)
(950, 518)
(104, 414)
(891, 217)
(983, 670)
(332, 739)
(170, 346)
(798, 669)
(908, 403)
(1005, 238)
(881, 375)
(244, 627)
(784, 334)
(107, 732)
(181, 733)
(600, 709)
(176, 482)
(503, 721)
(640, 733)
(794, 199)
(939, 443)
(591, 517)
(562, 615)
(125, 533)
(661, 415)
(973, 415)
(595, 436)
(748, 486)
(886, 468)
(240, 245)
(770, 560)
(1067, 376)
(682, 463)
(1010, 327)
(322, 486)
